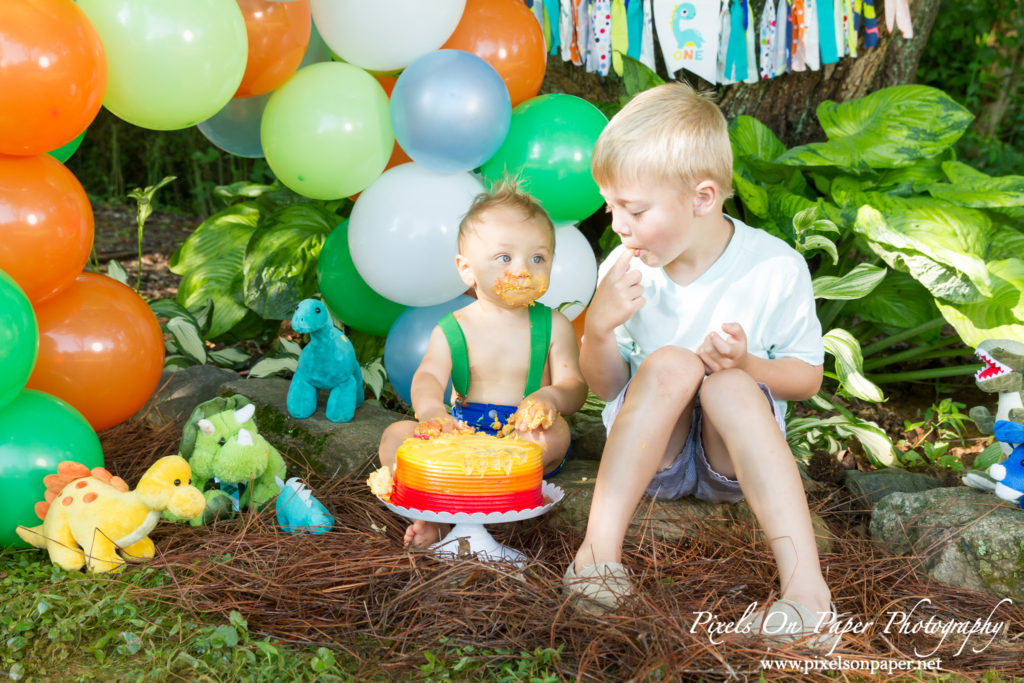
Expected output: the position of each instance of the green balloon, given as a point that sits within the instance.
(64, 152)
(170, 63)
(37, 431)
(549, 145)
(326, 132)
(19, 339)
(346, 294)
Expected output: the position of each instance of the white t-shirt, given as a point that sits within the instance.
(759, 281)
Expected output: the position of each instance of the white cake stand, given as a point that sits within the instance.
(468, 535)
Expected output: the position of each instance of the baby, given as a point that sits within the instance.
(513, 363)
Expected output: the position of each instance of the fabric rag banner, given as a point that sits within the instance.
(688, 34)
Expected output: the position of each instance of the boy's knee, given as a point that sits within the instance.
(675, 367)
(728, 386)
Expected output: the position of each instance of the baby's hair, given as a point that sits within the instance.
(670, 133)
(505, 192)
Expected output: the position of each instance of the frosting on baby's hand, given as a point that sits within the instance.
(533, 415)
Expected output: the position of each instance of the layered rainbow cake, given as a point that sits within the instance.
(468, 473)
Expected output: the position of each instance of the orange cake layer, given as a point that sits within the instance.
(468, 473)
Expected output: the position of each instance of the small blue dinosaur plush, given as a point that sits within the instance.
(327, 362)
(298, 510)
(1009, 474)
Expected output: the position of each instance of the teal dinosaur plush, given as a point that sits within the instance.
(232, 464)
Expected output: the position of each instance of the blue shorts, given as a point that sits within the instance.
(690, 474)
(483, 417)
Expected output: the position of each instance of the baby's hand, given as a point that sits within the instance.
(720, 354)
(442, 425)
(533, 414)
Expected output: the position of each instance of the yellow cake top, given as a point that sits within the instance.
(478, 453)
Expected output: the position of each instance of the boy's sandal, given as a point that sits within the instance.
(787, 621)
(598, 588)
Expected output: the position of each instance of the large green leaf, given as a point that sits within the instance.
(857, 283)
(219, 279)
(899, 301)
(850, 365)
(889, 128)
(637, 76)
(755, 197)
(1001, 316)
(751, 139)
(783, 207)
(970, 187)
(1006, 243)
(943, 246)
(280, 262)
(913, 176)
(226, 231)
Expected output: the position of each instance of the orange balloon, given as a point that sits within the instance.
(46, 224)
(100, 349)
(578, 323)
(53, 75)
(278, 36)
(506, 35)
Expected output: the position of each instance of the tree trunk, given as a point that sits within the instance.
(787, 104)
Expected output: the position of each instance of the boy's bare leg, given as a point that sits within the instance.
(419, 534)
(647, 435)
(738, 422)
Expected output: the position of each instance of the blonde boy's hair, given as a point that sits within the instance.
(669, 133)
(506, 192)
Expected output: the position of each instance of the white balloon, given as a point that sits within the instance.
(385, 35)
(573, 272)
(403, 233)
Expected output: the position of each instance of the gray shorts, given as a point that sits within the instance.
(690, 474)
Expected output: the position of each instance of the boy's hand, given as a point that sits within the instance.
(720, 354)
(534, 414)
(617, 298)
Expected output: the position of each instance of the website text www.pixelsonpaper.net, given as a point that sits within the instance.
(839, 663)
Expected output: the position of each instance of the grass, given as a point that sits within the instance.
(69, 626)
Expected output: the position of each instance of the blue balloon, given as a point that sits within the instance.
(236, 128)
(450, 111)
(406, 343)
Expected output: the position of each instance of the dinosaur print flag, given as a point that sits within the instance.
(688, 33)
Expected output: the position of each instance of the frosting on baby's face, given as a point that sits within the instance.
(519, 289)
(507, 259)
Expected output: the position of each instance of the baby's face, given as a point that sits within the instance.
(506, 259)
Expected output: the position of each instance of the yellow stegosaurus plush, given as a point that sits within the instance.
(89, 516)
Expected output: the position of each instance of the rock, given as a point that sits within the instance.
(666, 520)
(588, 436)
(965, 538)
(868, 488)
(336, 448)
(180, 391)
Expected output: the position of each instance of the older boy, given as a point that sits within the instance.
(519, 358)
(700, 328)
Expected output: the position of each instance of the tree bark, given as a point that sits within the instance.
(787, 104)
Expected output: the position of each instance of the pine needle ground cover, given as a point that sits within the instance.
(352, 604)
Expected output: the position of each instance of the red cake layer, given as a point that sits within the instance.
(405, 496)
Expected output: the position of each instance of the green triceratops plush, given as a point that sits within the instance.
(232, 464)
